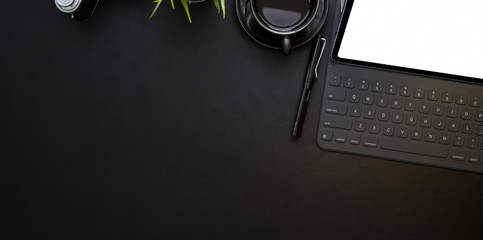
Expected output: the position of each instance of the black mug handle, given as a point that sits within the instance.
(286, 45)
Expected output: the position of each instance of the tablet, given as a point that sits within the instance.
(442, 38)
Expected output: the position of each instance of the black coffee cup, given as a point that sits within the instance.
(284, 18)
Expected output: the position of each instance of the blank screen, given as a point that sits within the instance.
(443, 36)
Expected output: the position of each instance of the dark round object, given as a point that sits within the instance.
(271, 40)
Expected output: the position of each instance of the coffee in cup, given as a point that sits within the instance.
(284, 17)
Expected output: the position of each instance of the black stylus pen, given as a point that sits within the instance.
(310, 77)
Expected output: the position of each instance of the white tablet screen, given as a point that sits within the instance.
(443, 36)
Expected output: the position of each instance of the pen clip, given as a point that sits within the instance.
(320, 56)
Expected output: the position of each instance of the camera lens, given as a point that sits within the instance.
(65, 3)
(68, 6)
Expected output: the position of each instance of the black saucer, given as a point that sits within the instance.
(262, 36)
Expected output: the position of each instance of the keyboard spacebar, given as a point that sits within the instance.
(414, 147)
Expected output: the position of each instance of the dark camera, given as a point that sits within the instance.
(77, 9)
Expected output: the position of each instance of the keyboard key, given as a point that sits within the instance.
(402, 132)
(388, 130)
(458, 154)
(451, 112)
(368, 113)
(438, 110)
(340, 137)
(424, 108)
(458, 141)
(439, 123)
(382, 101)
(433, 95)
(354, 139)
(460, 99)
(337, 94)
(348, 82)
(421, 148)
(355, 111)
(368, 99)
(453, 126)
(447, 97)
(335, 108)
(479, 116)
(337, 122)
(395, 103)
(334, 80)
(430, 136)
(467, 128)
(444, 138)
(370, 141)
(475, 101)
(410, 105)
(479, 130)
(391, 88)
(404, 91)
(326, 134)
(374, 128)
(411, 120)
(425, 122)
(473, 157)
(377, 87)
(363, 84)
(397, 117)
(472, 143)
(466, 114)
(360, 126)
(354, 97)
(416, 134)
(383, 115)
(419, 93)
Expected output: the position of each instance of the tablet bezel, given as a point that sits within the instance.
(336, 58)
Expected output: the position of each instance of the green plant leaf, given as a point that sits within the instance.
(223, 7)
(185, 5)
(217, 5)
(155, 8)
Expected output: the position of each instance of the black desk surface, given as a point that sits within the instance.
(122, 127)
